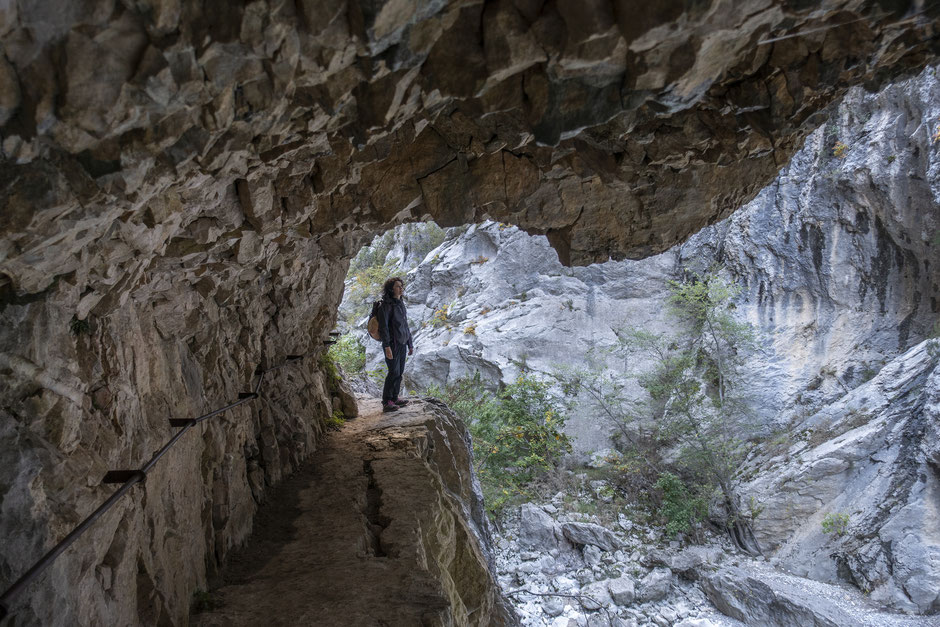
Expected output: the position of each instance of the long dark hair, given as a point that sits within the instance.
(389, 286)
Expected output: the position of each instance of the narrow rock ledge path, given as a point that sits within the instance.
(382, 527)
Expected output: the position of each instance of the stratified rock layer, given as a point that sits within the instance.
(182, 182)
(851, 492)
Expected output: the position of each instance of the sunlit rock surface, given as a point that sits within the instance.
(835, 260)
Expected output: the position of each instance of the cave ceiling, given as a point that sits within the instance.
(153, 129)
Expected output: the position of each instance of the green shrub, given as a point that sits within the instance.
(349, 353)
(517, 434)
(519, 442)
(333, 377)
(336, 421)
(378, 374)
(835, 524)
(467, 397)
(681, 511)
(441, 317)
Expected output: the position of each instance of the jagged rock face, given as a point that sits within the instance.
(77, 403)
(835, 259)
(618, 129)
(851, 492)
(384, 527)
(185, 181)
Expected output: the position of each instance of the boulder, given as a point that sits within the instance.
(752, 601)
(687, 563)
(539, 531)
(590, 534)
(553, 606)
(595, 595)
(655, 585)
(592, 555)
(622, 590)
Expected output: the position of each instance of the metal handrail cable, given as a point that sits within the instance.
(128, 479)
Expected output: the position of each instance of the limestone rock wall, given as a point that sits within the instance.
(617, 129)
(181, 183)
(851, 493)
(79, 399)
(838, 257)
(836, 260)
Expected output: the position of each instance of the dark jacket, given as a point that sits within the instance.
(393, 323)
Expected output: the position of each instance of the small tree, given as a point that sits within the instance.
(691, 404)
(694, 379)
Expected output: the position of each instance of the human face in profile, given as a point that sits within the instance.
(398, 289)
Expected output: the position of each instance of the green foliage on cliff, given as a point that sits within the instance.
(349, 354)
(682, 509)
(517, 434)
(835, 523)
(693, 420)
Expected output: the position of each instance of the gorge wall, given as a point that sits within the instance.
(182, 185)
(835, 260)
(836, 264)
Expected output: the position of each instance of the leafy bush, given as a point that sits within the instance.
(441, 317)
(332, 374)
(349, 354)
(517, 434)
(680, 511)
(467, 397)
(835, 523)
(377, 374)
(336, 421)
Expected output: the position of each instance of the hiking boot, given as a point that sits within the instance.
(388, 406)
(401, 402)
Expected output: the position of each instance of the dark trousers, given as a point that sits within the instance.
(396, 366)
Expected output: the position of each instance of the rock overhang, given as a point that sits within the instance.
(191, 177)
(615, 129)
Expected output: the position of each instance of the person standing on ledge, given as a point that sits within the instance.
(393, 327)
